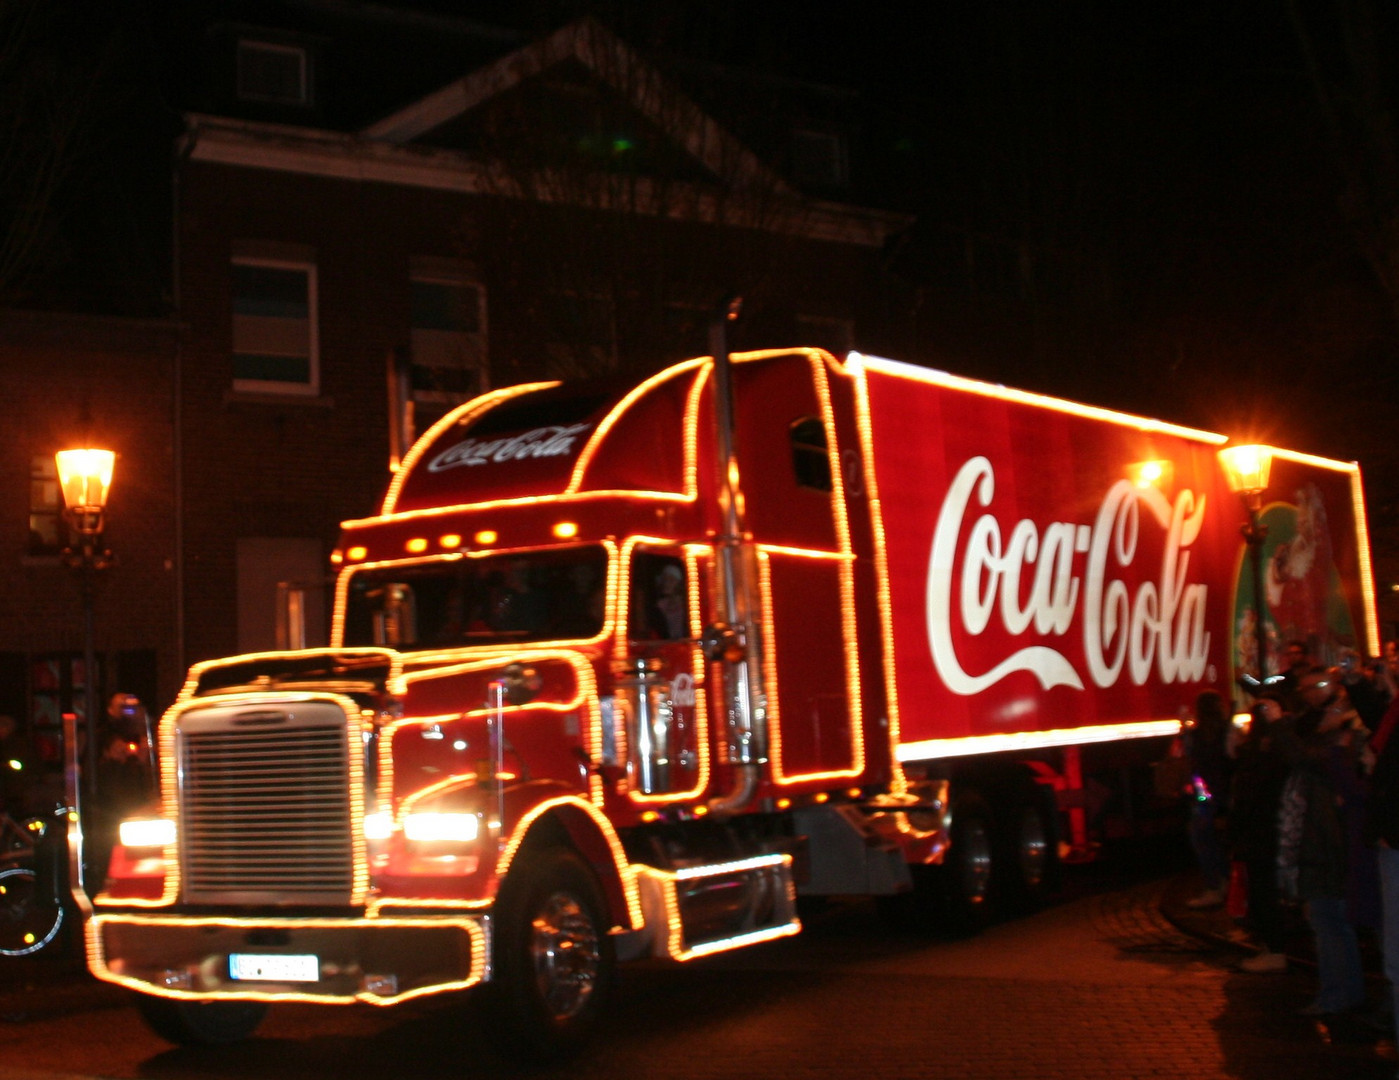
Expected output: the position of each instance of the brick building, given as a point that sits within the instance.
(344, 269)
(114, 388)
(344, 218)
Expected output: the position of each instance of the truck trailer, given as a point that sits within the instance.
(629, 669)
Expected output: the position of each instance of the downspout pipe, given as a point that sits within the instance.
(740, 653)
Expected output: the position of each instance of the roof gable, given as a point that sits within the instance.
(632, 81)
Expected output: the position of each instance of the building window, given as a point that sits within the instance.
(275, 343)
(819, 158)
(449, 344)
(273, 73)
(47, 535)
(447, 364)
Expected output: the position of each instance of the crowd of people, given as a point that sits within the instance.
(1300, 813)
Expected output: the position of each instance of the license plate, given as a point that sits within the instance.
(274, 967)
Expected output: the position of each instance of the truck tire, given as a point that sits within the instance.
(1037, 849)
(967, 874)
(200, 1023)
(1030, 858)
(554, 962)
(30, 918)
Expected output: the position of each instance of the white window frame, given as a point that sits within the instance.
(312, 386)
(46, 505)
(252, 45)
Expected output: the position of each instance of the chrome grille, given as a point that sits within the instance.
(265, 814)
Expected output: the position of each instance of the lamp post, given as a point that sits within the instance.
(86, 478)
(1246, 468)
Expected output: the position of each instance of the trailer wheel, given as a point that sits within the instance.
(1033, 851)
(554, 961)
(200, 1023)
(971, 860)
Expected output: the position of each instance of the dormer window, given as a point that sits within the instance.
(272, 72)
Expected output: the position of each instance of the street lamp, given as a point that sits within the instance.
(1246, 468)
(86, 477)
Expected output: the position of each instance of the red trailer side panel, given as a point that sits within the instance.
(1055, 573)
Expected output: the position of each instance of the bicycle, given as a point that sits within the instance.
(31, 890)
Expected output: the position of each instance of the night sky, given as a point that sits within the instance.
(1193, 207)
(1207, 195)
(1197, 200)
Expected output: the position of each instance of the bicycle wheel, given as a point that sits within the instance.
(29, 919)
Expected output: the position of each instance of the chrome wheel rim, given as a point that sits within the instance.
(1034, 848)
(976, 861)
(565, 954)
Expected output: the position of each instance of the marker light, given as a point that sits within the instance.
(487, 537)
(355, 554)
(416, 546)
(566, 530)
(450, 542)
(429, 828)
(147, 833)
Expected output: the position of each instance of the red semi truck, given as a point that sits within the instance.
(624, 670)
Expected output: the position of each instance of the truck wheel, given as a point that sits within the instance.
(29, 918)
(554, 961)
(1031, 850)
(967, 873)
(200, 1023)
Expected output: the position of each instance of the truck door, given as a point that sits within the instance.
(665, 758)
(795, 516)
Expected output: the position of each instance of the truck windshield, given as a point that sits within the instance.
(523, 596)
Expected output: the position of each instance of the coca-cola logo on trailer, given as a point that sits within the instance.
(537, 443)
(1040, 577)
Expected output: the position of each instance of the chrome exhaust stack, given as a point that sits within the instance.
(736, 643)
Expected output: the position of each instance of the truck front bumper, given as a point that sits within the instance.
(333, 961)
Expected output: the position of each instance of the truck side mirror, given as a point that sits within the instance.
(522, 683)
(722, 643)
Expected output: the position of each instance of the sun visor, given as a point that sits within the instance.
(525, 446)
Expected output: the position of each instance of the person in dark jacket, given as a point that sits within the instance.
(123, 789)
(1313, 863)
(1259, 775)
(1382, 829)
(1207, 754)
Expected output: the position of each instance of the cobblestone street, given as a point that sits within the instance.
(1114, 985)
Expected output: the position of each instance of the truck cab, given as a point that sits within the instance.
(539, 736)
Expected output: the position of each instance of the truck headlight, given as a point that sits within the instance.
(429, 828)
(378, 826)
(146, 833)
